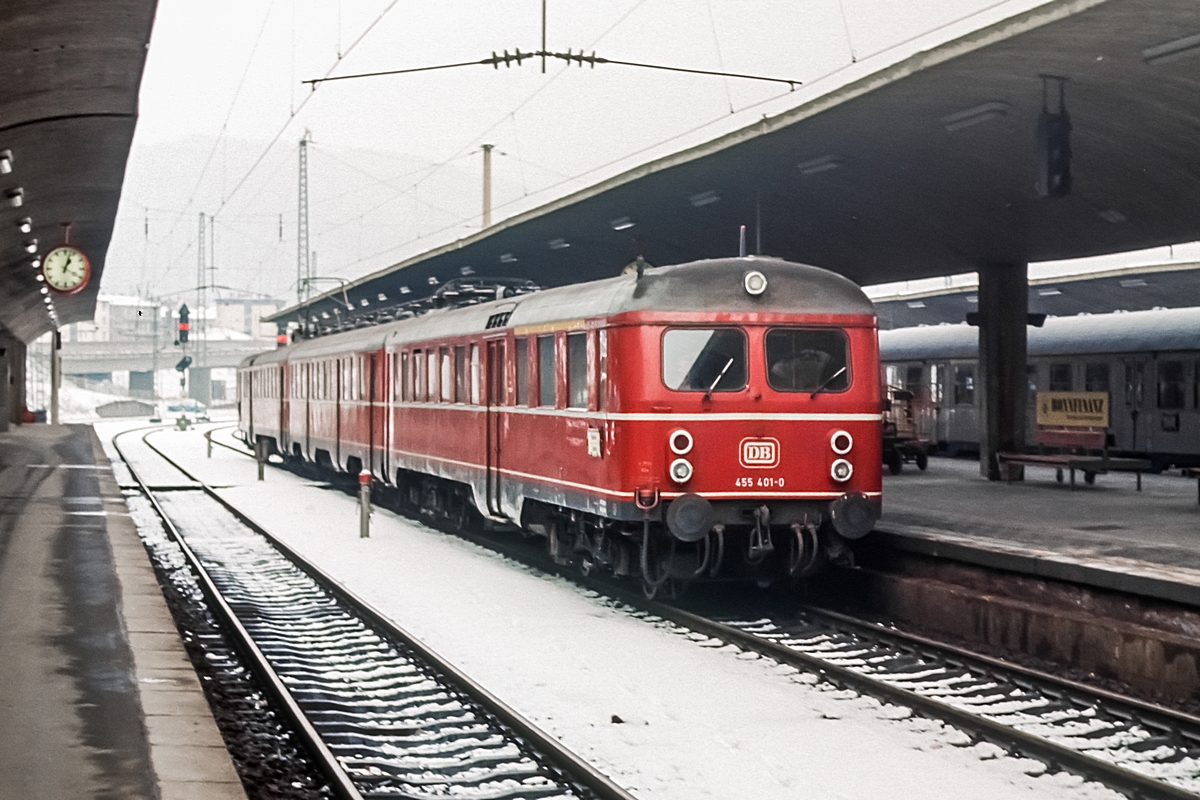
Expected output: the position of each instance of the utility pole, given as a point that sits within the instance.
(487, 184)
(303, 265)
(55, 374)
(201, 286)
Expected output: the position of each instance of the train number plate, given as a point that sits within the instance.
(759, 453)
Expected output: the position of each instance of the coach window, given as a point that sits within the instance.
(602, 383)
(1095, 377)
(418, 372)
(475, 374)
(577, 377)
(1170, 385)
(807, 360)
(364, 378)
(405, 387)
(522, 371)
(1060, 378)
(447, 375)
(460, 375)
(964, 386)
(546, 373)
(434, 370)
(704, 359)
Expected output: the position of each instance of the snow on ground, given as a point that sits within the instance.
(697, 719)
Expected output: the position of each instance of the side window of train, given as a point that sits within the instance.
(912, 379)
(522, 371)
(577, 376)
(1060, 378)
(1095, 377)
(447, 376)
(804, 360)
(1171, 394)
(432, 370)
(602, 383)
(964, 386)
(418, 375)
(460, 374)
(475, 374)
(546, 373)
(402, 385)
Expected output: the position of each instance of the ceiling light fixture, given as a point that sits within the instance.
(45, 290)
(467, 270)
(432, 280)
(36, 263)
(6, 160)
(704, 198)
(1169, 51)
(822, 164)
(31, 246)
(16, 197)
(507, 258)
(915, 304)
(621, 224)
(40, 277)
(1113, 216)
(1048, 292)
(382, 297)
(974, 115)
(559, 244)
(405, 290)
(25, 224)
(1132, 283)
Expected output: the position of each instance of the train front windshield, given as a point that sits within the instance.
(807, 359)
(704, 359)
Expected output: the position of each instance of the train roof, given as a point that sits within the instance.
(710, 285)
(1157, 331)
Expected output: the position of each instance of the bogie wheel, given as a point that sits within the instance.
(895, 463)
(922, 461)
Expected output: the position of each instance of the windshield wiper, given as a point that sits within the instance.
(827, 381)
(708, 393)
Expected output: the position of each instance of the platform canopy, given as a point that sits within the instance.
(925, 168)
(68, 103)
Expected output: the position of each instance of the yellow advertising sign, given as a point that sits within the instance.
(1073, 409)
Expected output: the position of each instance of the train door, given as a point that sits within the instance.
(380, 397)
(495, 401)
(285, 408)
(1135, 401)
(937, 395)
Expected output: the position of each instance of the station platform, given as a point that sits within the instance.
(1108, 535)
(97, 695)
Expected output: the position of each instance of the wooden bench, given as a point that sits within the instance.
(1090, 466)
(1079, 440)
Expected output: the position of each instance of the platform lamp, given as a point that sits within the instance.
(1054, 142)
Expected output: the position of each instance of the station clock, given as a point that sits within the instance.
(66, 269)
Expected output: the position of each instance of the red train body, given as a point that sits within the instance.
(718, 418)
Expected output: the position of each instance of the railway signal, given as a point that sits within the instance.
(183, 324)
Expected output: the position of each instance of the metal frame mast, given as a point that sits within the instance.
(201, 293)
(303, 265)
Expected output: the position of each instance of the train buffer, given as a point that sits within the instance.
(1089, 465)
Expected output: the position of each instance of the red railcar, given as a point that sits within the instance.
(717, 418)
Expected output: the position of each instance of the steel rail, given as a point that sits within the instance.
(1056, 756)
(575, 768)
(328, 764)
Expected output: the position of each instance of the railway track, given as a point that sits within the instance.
(380, 713)
(1136, 748)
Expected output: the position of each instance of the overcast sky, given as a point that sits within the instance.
(394, 167)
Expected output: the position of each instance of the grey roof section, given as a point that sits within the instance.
(1126, 289)
(701, 286)
(921, 168)
(68, 105)
(1159, 331)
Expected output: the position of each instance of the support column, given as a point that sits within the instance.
(55, 374)
(1003, 312)
(17, 402)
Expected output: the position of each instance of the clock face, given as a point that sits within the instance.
(66, 270)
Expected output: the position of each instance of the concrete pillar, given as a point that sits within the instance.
(1003, 311)
(17, 401)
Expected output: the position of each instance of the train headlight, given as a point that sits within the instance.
(841, 470)
(841, 442)
(681, 442)
(681, 470)
(754, 282)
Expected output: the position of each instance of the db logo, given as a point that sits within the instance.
(759, 452)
